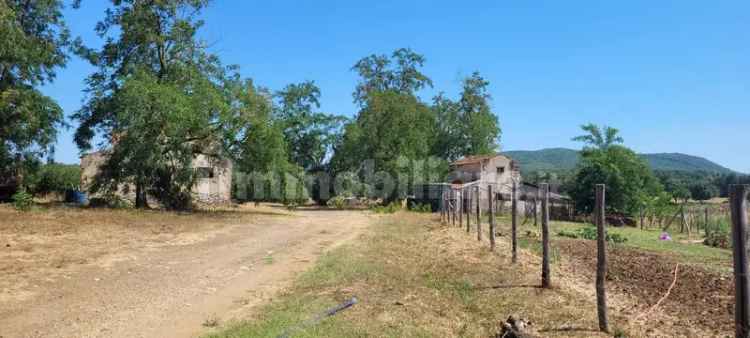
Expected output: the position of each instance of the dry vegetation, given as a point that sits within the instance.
(416, 278)
(51, 241)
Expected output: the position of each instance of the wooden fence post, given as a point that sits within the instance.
(546, 278)
(479, 212)
(601, 259)
(441, 206)
(491, 212)
(454, 205)
(467, 210)
(514, 222)
(536, 211)
(738, 209)
(705, 224)
(460, 204)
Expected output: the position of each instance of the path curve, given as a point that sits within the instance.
(172, 291)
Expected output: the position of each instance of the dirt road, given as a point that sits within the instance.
(173, 289)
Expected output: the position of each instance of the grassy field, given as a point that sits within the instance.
(415, 278)
(684, 248)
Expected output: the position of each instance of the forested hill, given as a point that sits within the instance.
(561, 159)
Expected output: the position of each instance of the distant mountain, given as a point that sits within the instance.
(561, 159)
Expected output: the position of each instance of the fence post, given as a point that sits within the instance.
(546, 278)
(738, 204)
(601, 259)
(536, 211)
(441, 206)
(479, 212)
(491, 212)
(705, 224)
(453, 206)
(467, 209)
(514, 222)
(460, 205)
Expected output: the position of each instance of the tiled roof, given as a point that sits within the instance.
(475, 159)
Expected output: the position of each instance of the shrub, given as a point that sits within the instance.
(338, 202)
(567, 233)
(718, 235)
(22, 200)
(110, 201)
(55, 178)
(387, 209)
(417, 207)
(590, 233)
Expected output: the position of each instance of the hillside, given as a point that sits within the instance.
(560, 159)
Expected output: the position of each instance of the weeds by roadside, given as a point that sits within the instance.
(415, 278)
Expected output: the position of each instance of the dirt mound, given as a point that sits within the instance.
(699, 297)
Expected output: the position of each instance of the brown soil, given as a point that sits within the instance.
(70, 272)
(699, 298)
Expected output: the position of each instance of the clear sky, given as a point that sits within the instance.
(673, 76)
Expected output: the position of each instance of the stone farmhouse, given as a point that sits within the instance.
(213, 185)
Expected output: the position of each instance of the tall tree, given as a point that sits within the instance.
(399, 73)
(467, 126)
(449, 138)
(630, 182)
(309, 134)
(157, 96)
(33, 46)
(392, 119)
(599, 137)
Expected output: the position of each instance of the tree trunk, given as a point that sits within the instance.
(140, 196)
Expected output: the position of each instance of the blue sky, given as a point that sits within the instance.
(673, 76)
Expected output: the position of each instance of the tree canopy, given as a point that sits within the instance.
(630, 183)
(33, 47)
(310, 134)
(156, 95)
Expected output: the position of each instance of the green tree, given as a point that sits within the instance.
(468, 126)
(449, 138)
(599, 137)
(392, 121)
(628, 178)
(33, 46)
(310, 135)
(703, 191)
(158, 95)
(399, 73)
(481, 128)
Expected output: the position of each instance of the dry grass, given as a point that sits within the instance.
(415, 278)
(45, 243)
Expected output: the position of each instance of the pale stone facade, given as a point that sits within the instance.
(213, 185)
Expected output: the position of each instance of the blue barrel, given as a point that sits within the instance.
(75, 196)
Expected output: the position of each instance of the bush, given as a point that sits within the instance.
(387, 209)
(567, 233)
(338, 202)
(590, 233)
(718, 240)
(22, 200)
(417, 207)
(55, 178)
(718, 235)
(110, 201)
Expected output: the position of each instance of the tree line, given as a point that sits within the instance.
(158, 97)
(632, 187)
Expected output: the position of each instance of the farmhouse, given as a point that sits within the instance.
(501, 172)
(213, 185)
(498, 170)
